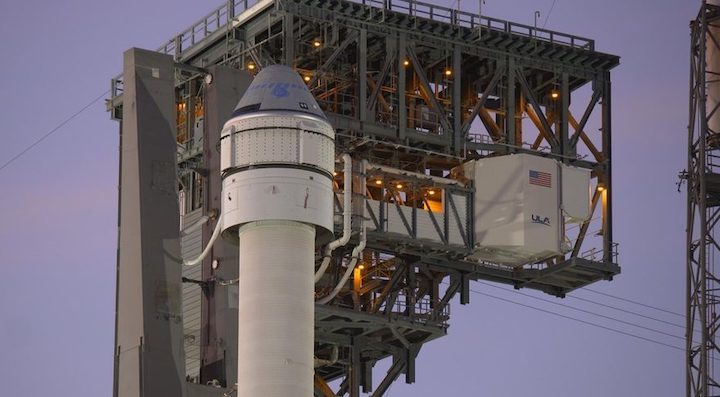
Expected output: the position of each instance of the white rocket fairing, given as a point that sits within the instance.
(277, 159)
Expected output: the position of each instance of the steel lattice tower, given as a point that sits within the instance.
(703, 176)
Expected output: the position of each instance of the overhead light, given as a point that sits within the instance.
(306, 78)
(378, 182)
(406, 62)
(601, 188)
(361, 267)
(251, 66)
(431, 192)
(448, 72)
(334, 173)
(399, 186)
(317, 43)
(554, 94)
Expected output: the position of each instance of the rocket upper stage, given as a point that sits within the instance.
(278, 87)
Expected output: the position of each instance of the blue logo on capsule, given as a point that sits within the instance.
(280, 90)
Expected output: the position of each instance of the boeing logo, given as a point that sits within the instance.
(279, 89)
(540, 220)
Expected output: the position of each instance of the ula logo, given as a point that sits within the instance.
(540, 220)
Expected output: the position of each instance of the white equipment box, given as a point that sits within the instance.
(517, 214)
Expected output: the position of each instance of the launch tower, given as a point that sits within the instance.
(460, 147)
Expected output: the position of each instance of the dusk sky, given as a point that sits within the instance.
(58, 211)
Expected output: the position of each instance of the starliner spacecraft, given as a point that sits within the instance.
(277, 161)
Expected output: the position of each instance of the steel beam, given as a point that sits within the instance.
(510, 104)
(218, 347)
(320, 71)
(483, 99)
(586, 116)
(566, 148)
(402, 89)
(458, 138)
(362, 76)
(425, 86)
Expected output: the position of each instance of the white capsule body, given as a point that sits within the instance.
(278, 166)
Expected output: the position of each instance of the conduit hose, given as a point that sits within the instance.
(347, 218)
(206, 251)
(354, 258)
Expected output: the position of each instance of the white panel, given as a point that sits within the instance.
(275, 194)
(426, 229)
(575, 193)
(498, 200)
(375, 206)
(317, 150)
(190, 247)
(454, 236)
(516, 208)
(395, 223)
(278, 139)
(541, 209)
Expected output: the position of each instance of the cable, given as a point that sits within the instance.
(582, 321)
(52, 131)
(588, 312)
(626, 311)
(600, 304)
(548, 14)
(635, 302)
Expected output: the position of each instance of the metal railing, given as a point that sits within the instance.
(187, 39)
(474, 21)
(596, 254)
(424, 310)
(212, 22)
(221, 16)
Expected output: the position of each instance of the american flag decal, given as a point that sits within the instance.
(540, 178)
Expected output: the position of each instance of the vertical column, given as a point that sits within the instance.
(355, 369)
(511, 102)
(457, 135)
(607, 158)
(230, 9)
(402, 110)
(362, 78)
(564, 138)
(701, 289)
(148, 319)
(289, 39)
(219, 307)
